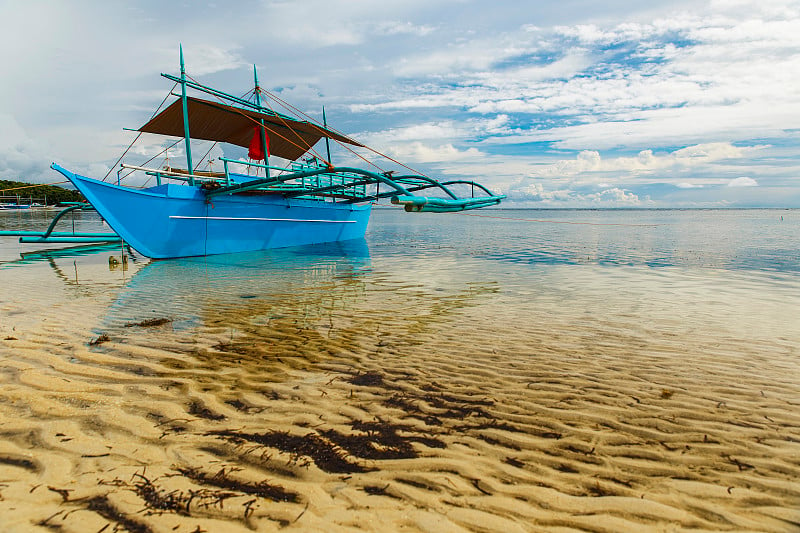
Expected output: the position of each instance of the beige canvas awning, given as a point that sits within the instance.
(212, 121)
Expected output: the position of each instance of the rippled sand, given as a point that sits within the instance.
(362, 398)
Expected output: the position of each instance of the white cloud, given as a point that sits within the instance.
(646, 161)
(692, 94)
(205, 59)
(616, 196)
(743, 181)
(529, 191)
(670, 127)
(431, 133)
(535, 193)
(403, 28)
(21, 159)
(724, 81)
(417, 152)
(325, 23)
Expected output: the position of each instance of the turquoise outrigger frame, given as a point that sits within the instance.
(349, 184)
(51, 236)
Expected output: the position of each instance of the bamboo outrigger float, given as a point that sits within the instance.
(192, 213)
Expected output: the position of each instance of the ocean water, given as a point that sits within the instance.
(527, 370)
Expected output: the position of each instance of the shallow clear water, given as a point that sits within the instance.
(593, 370)
(728, 239)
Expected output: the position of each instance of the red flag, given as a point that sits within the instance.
(256, 150)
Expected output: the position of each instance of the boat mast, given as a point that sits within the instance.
(186, 120)
(327, 142)
(263, 131)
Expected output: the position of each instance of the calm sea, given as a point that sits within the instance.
(732, 263)
(729, 239)
(525, 356)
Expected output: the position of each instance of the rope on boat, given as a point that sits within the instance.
(310, 148)
(304, 146)
(298, 112)
(289, 106)
(146, 162)
(111, 169)
(36, 185)
(158, 154)
(206, 155)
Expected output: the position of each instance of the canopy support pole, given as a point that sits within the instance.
(327, 141)
(263, 129)
(186, 120)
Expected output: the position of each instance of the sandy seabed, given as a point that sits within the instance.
(595, 400)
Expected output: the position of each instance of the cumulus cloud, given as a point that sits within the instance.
(324, 23)
(425, 140)
(532, 191)
(417, 152)
(528, 191)
(604, 98)
(21, 159)
(743, 181)
(207, 59)
(615, 196)
(715, 74)
(646, 162)
(403, 28)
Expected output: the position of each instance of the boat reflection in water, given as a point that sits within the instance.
(253, 306)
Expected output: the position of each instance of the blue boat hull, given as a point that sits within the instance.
(178, 221)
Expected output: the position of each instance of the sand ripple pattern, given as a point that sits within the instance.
(348, 398)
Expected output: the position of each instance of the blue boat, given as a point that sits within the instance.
(192, 213)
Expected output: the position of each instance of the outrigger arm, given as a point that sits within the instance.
(401, 193)
(51, 236)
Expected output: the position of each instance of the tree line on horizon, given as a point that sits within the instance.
(52, 193)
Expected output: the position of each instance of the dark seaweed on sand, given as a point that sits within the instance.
(513, 462)
(369, 379)
(102, 506)
(379, 440)
(99, 340)
(325, 455)
(222, 480)
(158, 500)
(452, 407)
(149, 323)
(20, 462)
(375, 490)
(329, 449)
(196, 408)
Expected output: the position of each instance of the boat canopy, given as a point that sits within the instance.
(212, 121)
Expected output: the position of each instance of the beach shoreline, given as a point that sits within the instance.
(344, 393)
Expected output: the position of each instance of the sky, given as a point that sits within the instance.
(565, 104)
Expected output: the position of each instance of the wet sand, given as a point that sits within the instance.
(585, 399)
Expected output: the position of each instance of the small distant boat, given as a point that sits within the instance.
(15, 201)
(193, 213)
